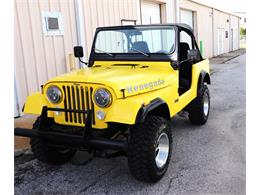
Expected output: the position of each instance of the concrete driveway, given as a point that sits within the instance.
(210, 159)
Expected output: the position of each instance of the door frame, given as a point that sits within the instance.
(220, 40)
(231, 39)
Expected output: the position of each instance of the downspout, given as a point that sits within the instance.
(238, 33)
(17, 106)
(80, 28)
(139, 12)
(213, 33)
(229, 33)
(177, 10)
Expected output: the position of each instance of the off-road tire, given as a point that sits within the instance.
(142, 144)
(47, 154)
(196, 108)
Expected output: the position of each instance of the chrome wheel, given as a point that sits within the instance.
(162, 150)
(206, 104)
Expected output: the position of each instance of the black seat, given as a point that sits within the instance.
(141, 46)
(183, 51)
(185, 67)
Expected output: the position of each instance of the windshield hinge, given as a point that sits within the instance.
(175, 66)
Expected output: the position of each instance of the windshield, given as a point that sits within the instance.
(139, 40)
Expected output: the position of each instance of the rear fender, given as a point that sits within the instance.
(203, 78)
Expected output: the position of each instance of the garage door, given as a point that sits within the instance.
(150, 12)
(186, 17)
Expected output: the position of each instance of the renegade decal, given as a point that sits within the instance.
(141, 87)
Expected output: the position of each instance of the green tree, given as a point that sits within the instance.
(242, 31)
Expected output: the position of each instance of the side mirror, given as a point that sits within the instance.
(78, 51)
(193, 55)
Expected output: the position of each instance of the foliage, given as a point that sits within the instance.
(242, 31)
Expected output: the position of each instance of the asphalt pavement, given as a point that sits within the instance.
(209, 159)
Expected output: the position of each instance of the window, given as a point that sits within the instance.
(138, 40)
(111, 42)
(128, 22)
(52, 23)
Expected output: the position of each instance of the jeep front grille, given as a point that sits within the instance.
(78, 98)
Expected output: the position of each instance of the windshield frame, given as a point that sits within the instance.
(172, 56)
(142, 29)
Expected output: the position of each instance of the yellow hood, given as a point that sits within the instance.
(133, 77)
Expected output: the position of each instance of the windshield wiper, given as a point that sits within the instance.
(139, 51)
(110, 54)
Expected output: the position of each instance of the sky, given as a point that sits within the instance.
(226, 5)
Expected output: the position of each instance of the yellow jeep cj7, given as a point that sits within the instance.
(136, 80)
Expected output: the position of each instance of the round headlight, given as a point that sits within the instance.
(102, 98)
(54, 94)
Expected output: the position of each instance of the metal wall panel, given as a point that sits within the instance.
(39, 57)
(234, 25)
(207, 21)
(221, 26)
(106, 13)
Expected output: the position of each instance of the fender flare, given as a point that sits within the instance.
(144, 110)
(34, 104)
(203, 78)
